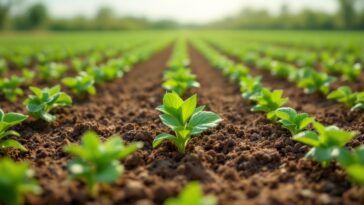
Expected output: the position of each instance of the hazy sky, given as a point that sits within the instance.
(185, 11)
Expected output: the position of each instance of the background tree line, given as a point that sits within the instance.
(350, 15)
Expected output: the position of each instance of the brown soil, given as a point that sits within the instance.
(245, 160)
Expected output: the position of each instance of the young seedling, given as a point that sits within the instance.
(328, 142)
(16, 179)
(27, 76)
(81, 84)
(8, 120)
(353, 163)
(344, 95)
(293, 121)
(313, 81)
(51, 71)
(96, 162)
(10, 88)
(268, 102)
(250, 87)
(185, 119)
(179, 80)
(359, 102)
(192, 194)
(351, 72)
(44, 100)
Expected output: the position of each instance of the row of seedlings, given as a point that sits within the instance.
(327, 142)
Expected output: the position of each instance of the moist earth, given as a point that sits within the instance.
(244, 160)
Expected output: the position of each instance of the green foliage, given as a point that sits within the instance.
(268, 101)
(83, 83)
(359, 102)
(192, 194)
(282, 70)
(328, 142)
(96, 162)
(293, 121)
(10, 88)
(16, 179)
(313, 81)
(353, 163)
(3, 66)
(179, 80)
(344, 95)
(8, 120)
(351, 72)
(236, 71)
(27, 76)
(185, 119)
(44, 100)
(250, 87)
(51, 71)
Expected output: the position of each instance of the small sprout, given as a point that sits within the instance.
(179, 80)
(96, 162)
(51, 71)
(10, 88)
(250, 87)
(344, 95)
(27, 76)
(269, 102)
(192, 194)
(16, 179)
(359, 102)
(8, 120)
(43, 101)
(351, 72)
(293, 121)
(313, 81)
(81, 84)
(282, 70)
(328, 142)
(353, 163)
(184, 119)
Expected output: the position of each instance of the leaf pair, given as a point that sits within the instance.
(43, 101)
(250, 87)
(185, 119)
(179, 80)
(96, 162)
(328, 142)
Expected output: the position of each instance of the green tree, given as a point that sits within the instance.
(37, 15)
(5, 7)
(347, 12)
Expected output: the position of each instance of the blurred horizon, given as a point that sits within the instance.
(83, 15)
(181, 11)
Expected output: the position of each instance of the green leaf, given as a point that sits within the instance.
(38, 92)
(308, 137)
(172, 100)
(202, 121)
(162, 137)
(12, 144)
(188, 108)
(355, 172)
(14, 118)
(170, 121)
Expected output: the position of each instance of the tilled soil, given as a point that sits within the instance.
(244, 160)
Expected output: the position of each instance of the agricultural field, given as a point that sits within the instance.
(182, 118)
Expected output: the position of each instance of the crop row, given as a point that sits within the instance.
(306, 77)
(327, 142)
(94, 162)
